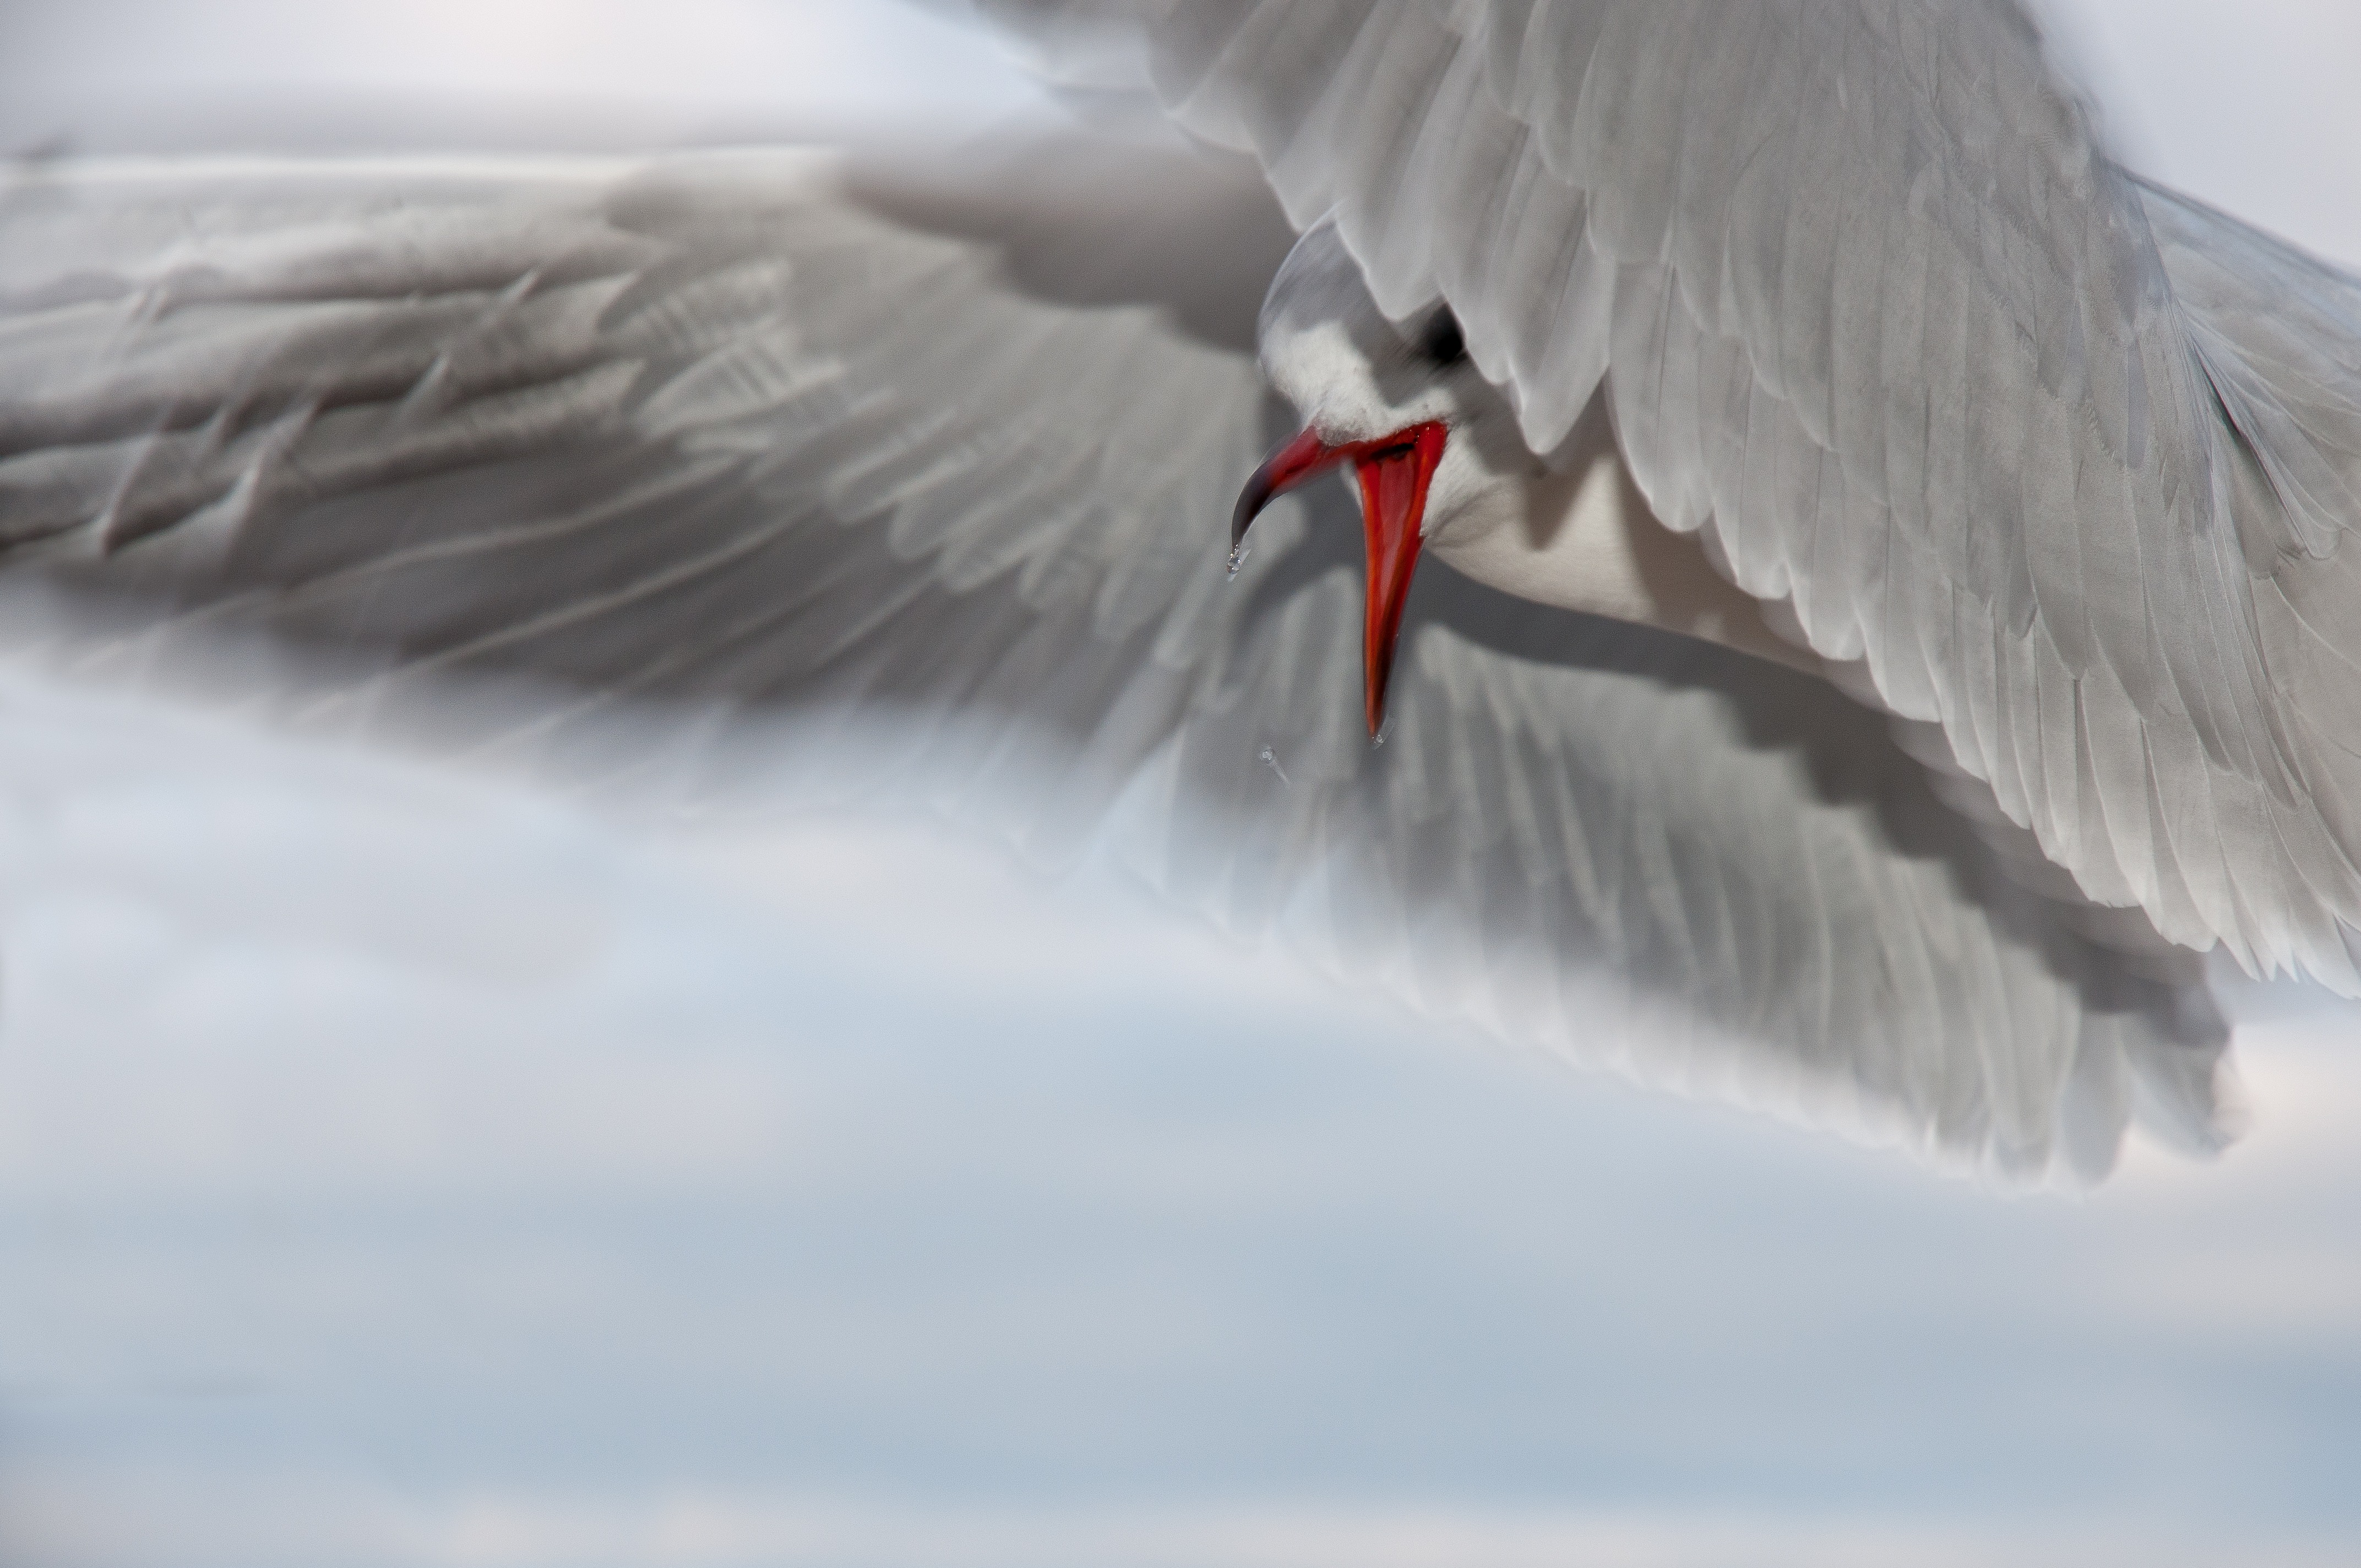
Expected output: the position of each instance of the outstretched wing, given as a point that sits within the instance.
(2072, 464)
(751, 434)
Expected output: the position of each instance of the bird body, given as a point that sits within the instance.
(1575, 533)
(1921, 395)
(2067, 461)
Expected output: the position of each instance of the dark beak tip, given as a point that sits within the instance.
(1251, 500)
(1300, 457)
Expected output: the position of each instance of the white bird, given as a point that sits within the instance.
(2049, 468)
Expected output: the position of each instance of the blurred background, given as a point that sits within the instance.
(399, 1168)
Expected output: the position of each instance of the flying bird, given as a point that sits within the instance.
(1839, 599)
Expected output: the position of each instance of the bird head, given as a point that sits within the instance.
(1432, 445)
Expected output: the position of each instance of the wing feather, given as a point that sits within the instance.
(2076, 436)
(725, 440)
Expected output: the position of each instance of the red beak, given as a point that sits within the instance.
(1395, 471)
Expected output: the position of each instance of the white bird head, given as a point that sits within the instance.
(1433, 445)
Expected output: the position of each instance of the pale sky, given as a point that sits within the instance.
(402, 1168)
(2248, 104)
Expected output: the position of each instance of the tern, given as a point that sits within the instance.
(1847, 601)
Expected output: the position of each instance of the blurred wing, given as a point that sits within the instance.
(721, 436)
(2071, 462)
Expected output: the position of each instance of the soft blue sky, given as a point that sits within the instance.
(399, 1168)
(611, 74)
(396, 1169)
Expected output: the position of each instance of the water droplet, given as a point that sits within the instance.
(1238, 558)
(1271, 757)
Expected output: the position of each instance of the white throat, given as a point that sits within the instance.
(1585, 539)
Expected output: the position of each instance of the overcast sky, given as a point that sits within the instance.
(397, 1168)
(2250, 105)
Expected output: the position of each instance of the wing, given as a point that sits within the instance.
(2071, 463)
(737, 438)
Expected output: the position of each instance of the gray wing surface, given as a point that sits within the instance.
(2072, 464)
(755, 435)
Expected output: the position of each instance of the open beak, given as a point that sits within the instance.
(1394, 471)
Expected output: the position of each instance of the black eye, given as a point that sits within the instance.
(1441, 343)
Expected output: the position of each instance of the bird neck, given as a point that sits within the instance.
(1585, 539)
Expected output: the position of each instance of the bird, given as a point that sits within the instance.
(1838, 604)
